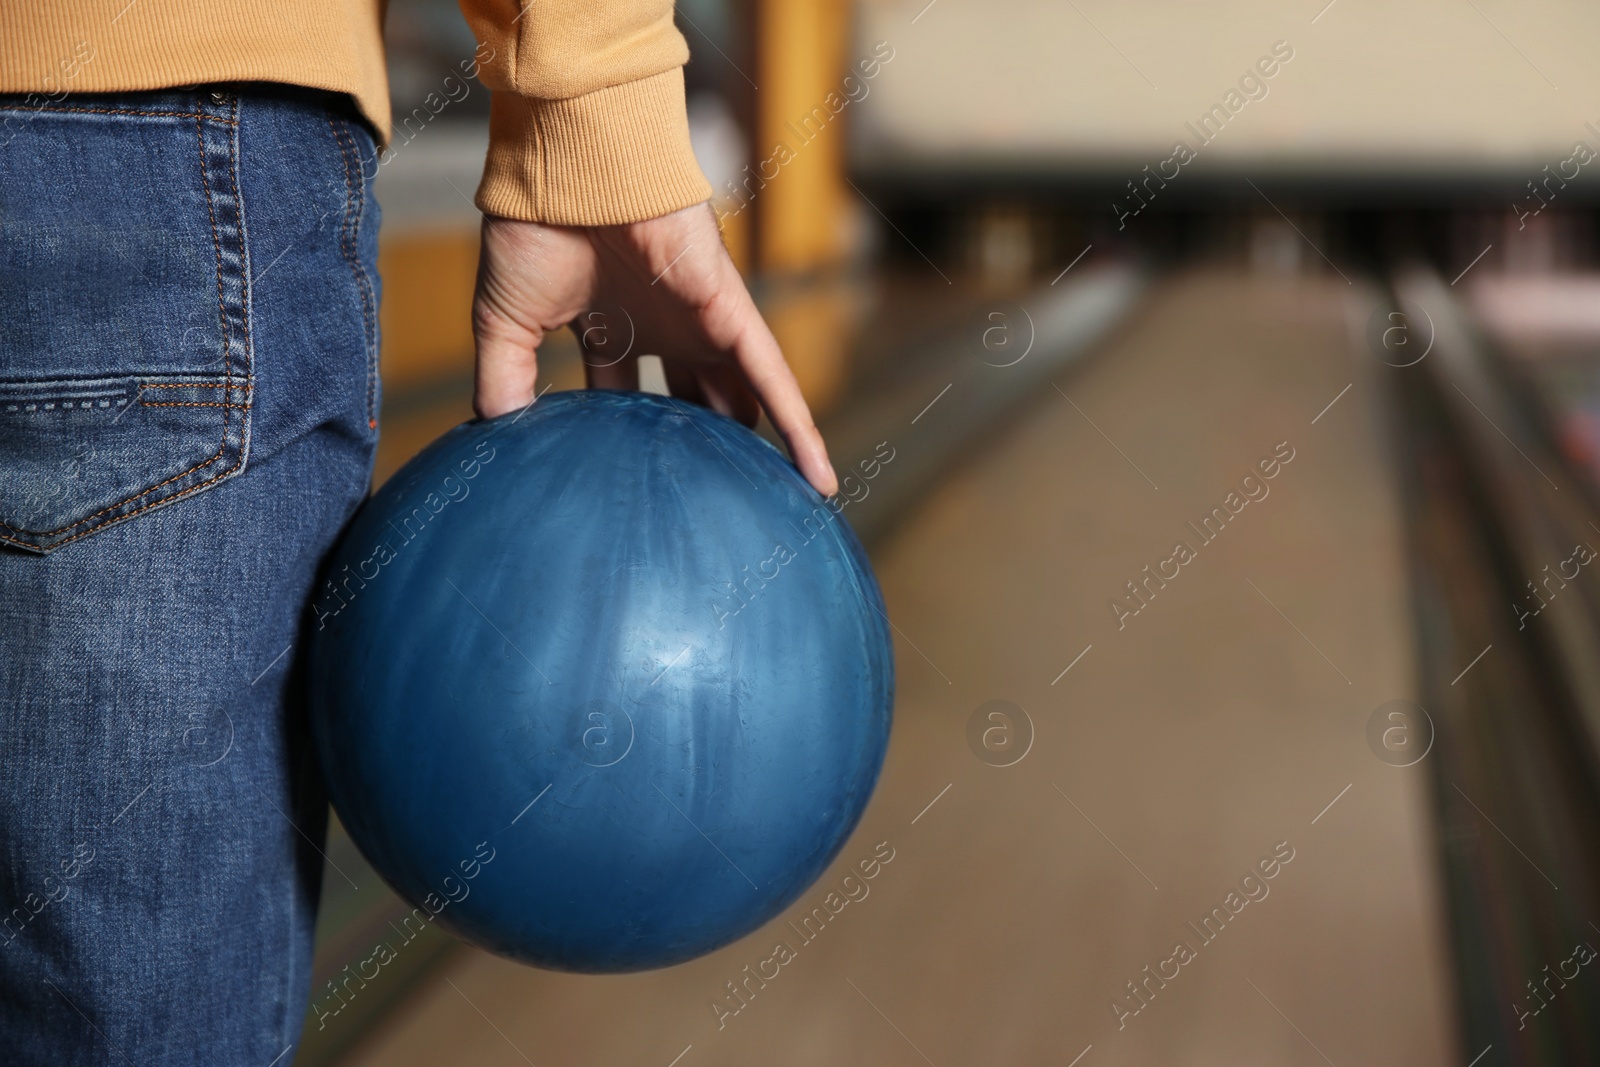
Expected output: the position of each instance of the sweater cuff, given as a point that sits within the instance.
(619, 154)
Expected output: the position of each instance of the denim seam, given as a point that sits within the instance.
(246, 406)
(118, 504)
(348, 229)
(65, 405)
(216, 244)
(191, 404)
(129, 515)
(228, 372)
(102, 400)
(121, 111)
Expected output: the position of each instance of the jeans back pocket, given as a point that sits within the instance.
(125, 351)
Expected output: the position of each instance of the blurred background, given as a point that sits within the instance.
(1240, 365)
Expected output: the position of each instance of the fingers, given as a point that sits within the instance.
(507, 361)
(697, 269)
(532, 279)
(689, 300)
(720, 387)
(759, 357)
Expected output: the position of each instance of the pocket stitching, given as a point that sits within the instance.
(227, 391)
(228, 376)
(145, 492)
(116, 111)
(137, 511)
(348, 228)
(226, 385)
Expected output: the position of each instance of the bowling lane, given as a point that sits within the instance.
(1221, 727)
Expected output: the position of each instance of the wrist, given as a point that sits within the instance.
(616, 155)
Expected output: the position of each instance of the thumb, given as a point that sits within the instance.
(515, 304)
(507, 359)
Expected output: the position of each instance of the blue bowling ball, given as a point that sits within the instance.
(602, 685)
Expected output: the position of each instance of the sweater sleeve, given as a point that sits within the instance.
(587, 122)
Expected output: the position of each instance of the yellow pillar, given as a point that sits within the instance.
(800, 198)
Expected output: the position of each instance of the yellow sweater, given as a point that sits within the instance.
(587, 123)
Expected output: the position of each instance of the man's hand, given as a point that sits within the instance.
(672, 279)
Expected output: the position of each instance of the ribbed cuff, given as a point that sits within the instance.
(619, 154)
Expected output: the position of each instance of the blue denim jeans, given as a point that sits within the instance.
(188, 412)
